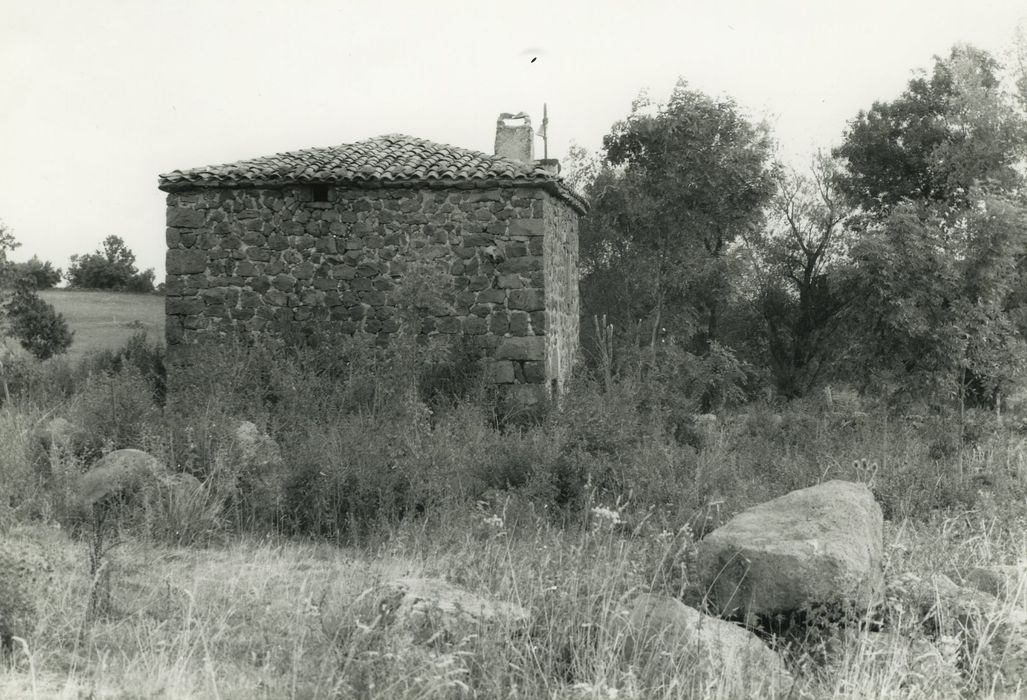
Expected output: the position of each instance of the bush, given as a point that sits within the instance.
(186, 512)
(115, 411)
(38, 327)
(22, 496)
(41, 383)
(37, 273)
(148, 358)
(345, 479)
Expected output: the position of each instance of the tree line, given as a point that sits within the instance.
(895, 262)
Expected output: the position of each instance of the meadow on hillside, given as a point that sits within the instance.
(106, 320)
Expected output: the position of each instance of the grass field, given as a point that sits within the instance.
(103, 320)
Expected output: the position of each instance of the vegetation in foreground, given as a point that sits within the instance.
(403, 466)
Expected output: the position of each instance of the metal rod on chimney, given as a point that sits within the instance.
(545, 132)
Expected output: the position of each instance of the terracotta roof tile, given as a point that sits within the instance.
(393, 159)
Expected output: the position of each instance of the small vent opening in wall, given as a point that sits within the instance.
(319, 193)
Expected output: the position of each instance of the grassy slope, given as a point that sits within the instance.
(107, 319)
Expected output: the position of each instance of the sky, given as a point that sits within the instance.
(97, 98)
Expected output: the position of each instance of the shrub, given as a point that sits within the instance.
(22, 495)
(187, 512)
(114, 410)
(148, 358)
(345, 478)
(37, 273)
(38, 327)
(40, 383)
(24, 575)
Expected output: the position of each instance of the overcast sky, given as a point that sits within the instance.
(98, 97)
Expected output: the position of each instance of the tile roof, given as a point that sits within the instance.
(391, 160)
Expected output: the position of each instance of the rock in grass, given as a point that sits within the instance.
(56, 437)
(181, 488)
(1001, 580)
(261, 467)
(819, 546)
(122, 474)
(663, 632)
(431, 609)
(993, 632)
(919, 666)
(25, 575)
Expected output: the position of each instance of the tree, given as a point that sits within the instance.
(37, 326)
(112, 267)
(947, 133)
(40, 274)
(934, 299)
(33, 322)
(939, 247)
(7, 244)
(679, 183)
(801, 257)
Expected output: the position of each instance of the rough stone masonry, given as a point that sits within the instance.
(320, 239)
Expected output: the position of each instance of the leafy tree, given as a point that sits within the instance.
(7, 244)
(1020, 58)
(801, 263)
(934, 298)
(948, 132)
(38, 327)
(940, 250)
(40, 274)
(679, 183)
(112, 267)
(33, 322)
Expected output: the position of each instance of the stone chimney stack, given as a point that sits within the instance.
(515, 141)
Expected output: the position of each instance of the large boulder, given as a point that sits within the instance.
(819, 546)
(661, 632)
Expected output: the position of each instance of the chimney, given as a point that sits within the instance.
(515, 141)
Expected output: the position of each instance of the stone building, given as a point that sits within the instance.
(320, 238)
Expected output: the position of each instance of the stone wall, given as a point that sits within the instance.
(250, 262)
(560, 271)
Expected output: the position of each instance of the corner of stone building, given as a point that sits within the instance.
(560, 254)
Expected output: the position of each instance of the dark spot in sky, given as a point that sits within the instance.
(534, 59)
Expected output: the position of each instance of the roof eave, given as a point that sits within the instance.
(555, 187)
